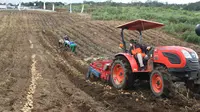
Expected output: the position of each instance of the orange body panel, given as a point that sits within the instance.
(158, 56)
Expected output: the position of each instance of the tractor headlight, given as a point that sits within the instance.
(196, 55)
(186, 54)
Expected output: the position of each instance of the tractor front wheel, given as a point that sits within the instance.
(159, 83)
(121, 77)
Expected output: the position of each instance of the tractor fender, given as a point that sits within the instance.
(131, 60)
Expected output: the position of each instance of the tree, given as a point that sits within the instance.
(193, 6)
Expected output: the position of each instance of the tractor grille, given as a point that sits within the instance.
(192, 65)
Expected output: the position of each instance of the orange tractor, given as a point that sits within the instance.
(165, 66)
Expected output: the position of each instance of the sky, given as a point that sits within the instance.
(79, 1)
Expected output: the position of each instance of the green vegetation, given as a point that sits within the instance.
(180, 23)
(193, 6)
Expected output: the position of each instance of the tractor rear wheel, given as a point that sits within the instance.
(121, 77)
(160, 82)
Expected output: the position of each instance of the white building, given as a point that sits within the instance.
(3, 7)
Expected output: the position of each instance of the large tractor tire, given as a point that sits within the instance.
(121, 74)
(160, 82)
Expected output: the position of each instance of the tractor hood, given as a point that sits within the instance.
(176, 48)
(186, 52)
(176, 57)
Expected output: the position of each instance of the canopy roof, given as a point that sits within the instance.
(140, 25)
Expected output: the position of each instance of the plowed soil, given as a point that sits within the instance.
(38, 76)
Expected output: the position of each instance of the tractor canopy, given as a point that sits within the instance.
(140, 25)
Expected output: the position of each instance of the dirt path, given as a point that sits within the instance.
(36, 76)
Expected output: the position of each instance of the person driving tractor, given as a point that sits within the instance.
(138, 51)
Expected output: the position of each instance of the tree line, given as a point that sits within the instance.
(149, 3)
(40, 3)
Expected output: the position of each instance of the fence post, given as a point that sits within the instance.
(19, 6)
(44, 6)
(34, 6)
(6, 5)
(53, 7)
(70, 8)
(82, 9)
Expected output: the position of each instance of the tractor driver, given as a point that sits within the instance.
(137, 50)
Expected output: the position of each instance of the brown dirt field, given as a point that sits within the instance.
(37, 76)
